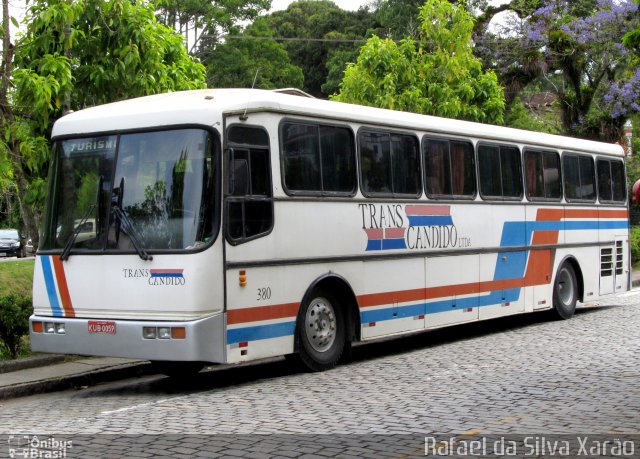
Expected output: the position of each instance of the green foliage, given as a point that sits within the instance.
(306, 21)
(438, 75)
(578, 44)
(92, 52)
(238, 60)
(634, 242)
(520, 117)
(14, 321)
(210, 19)
(633, 175)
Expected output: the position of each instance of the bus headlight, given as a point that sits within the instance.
(164, 332)
(149, 332)
(49, 327)
(60, 328)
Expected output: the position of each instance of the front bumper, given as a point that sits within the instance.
(205, 339)
(9, 252)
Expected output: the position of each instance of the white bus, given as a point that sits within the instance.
(231, 225)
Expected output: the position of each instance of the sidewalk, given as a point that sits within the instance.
(52, 373)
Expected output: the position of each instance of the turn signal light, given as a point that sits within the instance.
(178, 333)
(242, 278)
(37, 327)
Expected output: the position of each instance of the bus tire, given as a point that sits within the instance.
(177, 370)
(565, 292)
(321, 331)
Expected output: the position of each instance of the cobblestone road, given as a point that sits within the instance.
(522, 375)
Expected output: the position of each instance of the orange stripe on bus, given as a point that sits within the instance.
(543, 237)
(258, 313)
(559, 214)
(63, 288)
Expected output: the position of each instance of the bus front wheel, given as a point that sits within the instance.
(320, 331)
(565, 292)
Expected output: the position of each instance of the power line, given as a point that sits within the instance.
(326, 40)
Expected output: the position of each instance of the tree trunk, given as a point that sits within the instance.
(6, 122)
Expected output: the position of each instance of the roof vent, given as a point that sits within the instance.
(294, 92)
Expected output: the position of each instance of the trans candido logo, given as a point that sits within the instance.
(156, 276)
(410, 227)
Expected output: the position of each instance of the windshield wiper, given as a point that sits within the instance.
(128, 228)
(67, 247)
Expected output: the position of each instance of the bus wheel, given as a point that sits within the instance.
(176, 369)
(565, 292)
(320, 331)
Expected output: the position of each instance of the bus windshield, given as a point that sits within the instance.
(150, 191)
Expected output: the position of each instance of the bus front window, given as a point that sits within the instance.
(155, 190)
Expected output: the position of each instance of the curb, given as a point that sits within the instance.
(90, 378)
(7, 366)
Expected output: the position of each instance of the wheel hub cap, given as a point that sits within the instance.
(320, 324)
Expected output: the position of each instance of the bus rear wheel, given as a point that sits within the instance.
(565, 292)
(320, 332)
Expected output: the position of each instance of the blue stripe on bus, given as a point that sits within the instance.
(374, 244)
(50, 286)
(430, 220)
(239, 335)
(390, 244)
(514, 267)
(434, 307)
(519, 233)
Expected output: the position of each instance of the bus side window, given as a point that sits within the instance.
(500, 172)
(249, 202)
(449, 168)
(389, 164)
(542, 174)
(317, 159)
(611, 180)
(579, 177)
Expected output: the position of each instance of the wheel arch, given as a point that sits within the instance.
(341, 288)
(571, 260)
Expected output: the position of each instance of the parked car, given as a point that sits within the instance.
(11, 244)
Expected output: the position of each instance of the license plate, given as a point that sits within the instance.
(102, 326)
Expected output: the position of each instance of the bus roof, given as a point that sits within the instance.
(206, 107)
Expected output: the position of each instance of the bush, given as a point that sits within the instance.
(634, 242)
(14, 321)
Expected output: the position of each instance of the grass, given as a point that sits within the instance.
(16, 276)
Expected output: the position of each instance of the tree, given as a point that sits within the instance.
(316, 34)
(399, 18)
(203, 23)
(252, 55)
(579, 41)
(437, 75)
(18, 146)
(80, 53)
